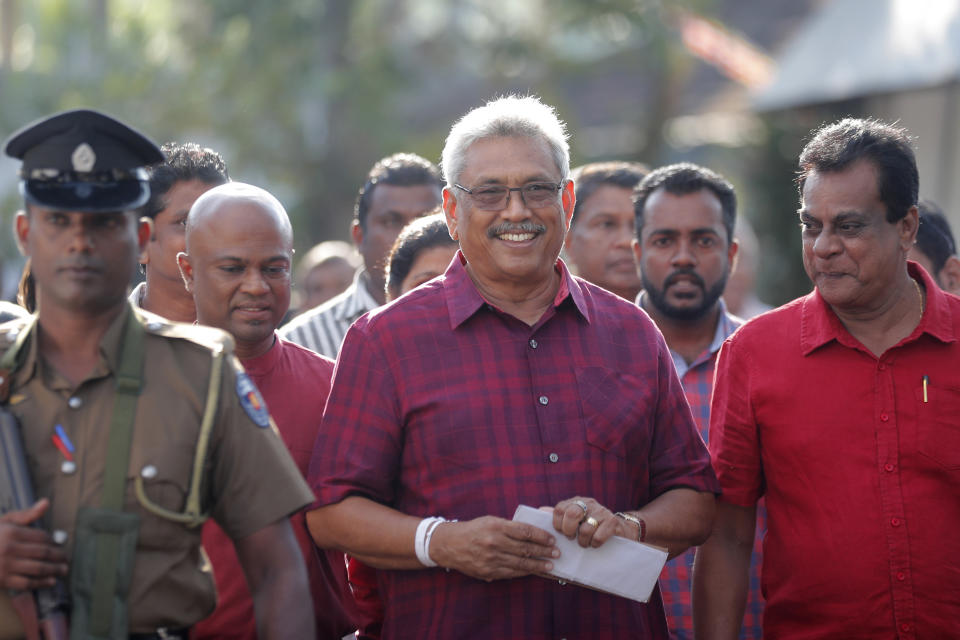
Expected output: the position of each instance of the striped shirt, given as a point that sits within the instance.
(675, 581)
(322, 329)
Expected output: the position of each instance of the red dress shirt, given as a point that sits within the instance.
(443, 405)
(860, 470)
(294, 382)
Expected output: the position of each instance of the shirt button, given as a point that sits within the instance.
(888, 468)
(905, 627)
(68, 467)
(882, 367)
(533, 343)
(60, 536)
(544, 400)
(901, 576)
(75, 402)
(884, 417)
(554, 457)
(895, 522)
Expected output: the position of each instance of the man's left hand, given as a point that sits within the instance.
(590, 522)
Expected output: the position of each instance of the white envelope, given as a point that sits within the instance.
(621, 567)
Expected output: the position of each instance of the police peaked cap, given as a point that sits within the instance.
(83, 160)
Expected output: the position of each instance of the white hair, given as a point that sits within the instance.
(507, 116)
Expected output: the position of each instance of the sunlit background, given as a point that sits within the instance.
(303, 96)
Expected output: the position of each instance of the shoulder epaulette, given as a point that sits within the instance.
(10, 329)
(10, 311)
(208, 337)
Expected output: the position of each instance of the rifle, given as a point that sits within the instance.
(43, 612)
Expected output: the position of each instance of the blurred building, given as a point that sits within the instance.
(897, 60)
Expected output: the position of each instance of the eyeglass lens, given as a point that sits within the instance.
(535, 194)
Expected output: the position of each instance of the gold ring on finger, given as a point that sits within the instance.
(591, 521)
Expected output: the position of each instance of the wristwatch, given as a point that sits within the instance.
(641, 525)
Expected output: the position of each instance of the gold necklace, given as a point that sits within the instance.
(919, 293)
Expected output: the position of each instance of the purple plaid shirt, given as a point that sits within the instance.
(675, 581)
(443, 405)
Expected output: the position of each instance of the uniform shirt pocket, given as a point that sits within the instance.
(166, 483)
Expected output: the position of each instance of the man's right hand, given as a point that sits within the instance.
(29, 558)
(490, 548)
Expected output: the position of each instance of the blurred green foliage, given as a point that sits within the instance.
(303, 96)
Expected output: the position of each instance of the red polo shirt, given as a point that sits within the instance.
(443, 405)
(860, 469)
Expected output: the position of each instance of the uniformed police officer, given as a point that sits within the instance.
(127, 458)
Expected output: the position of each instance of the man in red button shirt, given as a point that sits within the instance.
(239, 248)
(841, 408)
(506, 381)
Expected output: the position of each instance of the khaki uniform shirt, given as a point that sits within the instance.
(249, 481)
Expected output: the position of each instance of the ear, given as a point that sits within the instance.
(21, 227)
(732, 251)
(144, 258)
(568, 197)
(144, 231)
(907, 227)
(451, 212)
(356, 232)
(186, 270)
(950, 275)
(637, 251)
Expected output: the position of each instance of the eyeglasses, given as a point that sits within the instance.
(495, 197)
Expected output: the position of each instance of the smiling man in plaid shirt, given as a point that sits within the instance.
(685, 216)
(506, 381)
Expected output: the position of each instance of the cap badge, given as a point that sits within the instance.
(83, 158)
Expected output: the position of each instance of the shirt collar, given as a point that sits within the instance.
(136, 296)
(463, 299)
(727, 323)
(357, 300)
(110, 346)
(819, 324)
(265, 362)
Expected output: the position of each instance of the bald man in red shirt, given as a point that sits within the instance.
(239, 248)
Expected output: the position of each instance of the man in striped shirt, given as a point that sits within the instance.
(685, 217)
(398, 189)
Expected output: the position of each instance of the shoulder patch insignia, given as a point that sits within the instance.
(251, 401)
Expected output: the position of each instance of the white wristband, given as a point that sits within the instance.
(421, 542)
(426, 544)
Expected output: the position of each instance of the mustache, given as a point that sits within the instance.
(515, 227)
(247, 300)
(685, 273)
(80, 263)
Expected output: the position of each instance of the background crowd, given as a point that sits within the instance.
(501, 328)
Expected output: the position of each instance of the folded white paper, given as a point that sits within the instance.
(621, 567)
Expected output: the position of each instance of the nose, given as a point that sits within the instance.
(624, 237)
(684, 255)
(826, 244)
(516, 208)
(82, 240)
(254, 283)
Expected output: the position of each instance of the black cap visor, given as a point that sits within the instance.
(95, 197)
